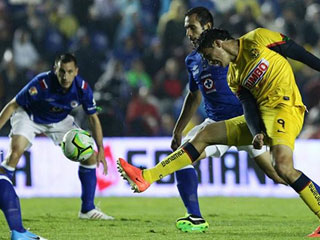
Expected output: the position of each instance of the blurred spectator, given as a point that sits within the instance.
(88, 55)
(25, 54)
(143, 118)
(5, 29)
(111, 92)
(11, 79)
(64, 20)
(130, 16)
(244, 20)
(154, 57)
(268, 17)
(171, 26)
(311, 27)
(112, 84)
(169, 85)
(80, 10)
(137, 76)
(127, 52)
(104, 15)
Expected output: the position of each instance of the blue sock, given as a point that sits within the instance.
(187, 183)
(10, 205)
(88, 181)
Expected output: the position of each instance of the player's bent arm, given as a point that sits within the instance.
(251, 111)
(190, 106)
(96, 130)
(294, 51)
(7, 111)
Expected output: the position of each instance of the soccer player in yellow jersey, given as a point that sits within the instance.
(263, 80)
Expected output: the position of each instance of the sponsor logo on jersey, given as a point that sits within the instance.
(33, 91)
(256, 74)
(208, 84)
(74, 104)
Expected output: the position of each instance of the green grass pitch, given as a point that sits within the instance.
(154, 218)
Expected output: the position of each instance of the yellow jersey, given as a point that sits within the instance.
(265, 73)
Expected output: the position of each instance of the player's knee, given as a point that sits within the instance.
(206, 135)
(92, 160)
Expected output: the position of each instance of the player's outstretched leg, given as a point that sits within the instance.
(140, 180)
(10, 205)
(187, 183)
(88, 179)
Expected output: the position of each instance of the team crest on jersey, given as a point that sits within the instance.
(208, 84)
(254, 53)
(74, 104)
(33, 91)
(256, 74)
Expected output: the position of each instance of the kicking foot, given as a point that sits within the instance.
(192, 223)
(95, 214)
(133, 175)
(316, 233)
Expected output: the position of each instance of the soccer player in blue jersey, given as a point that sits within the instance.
(207, 82)
(43, 107)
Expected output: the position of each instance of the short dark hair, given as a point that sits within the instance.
(208, 36)
(66, 58)
(203, 15)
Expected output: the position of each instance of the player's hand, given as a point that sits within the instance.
(101, 159)
(257, 141)
(176, 141)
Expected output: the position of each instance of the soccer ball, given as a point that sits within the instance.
(77, 145)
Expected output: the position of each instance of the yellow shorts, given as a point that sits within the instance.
(283, 124)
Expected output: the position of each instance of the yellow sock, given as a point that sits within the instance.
(170, 164)
(311, 197)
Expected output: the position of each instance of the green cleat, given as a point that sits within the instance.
(192, 223)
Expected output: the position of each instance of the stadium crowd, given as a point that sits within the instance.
(132, 52)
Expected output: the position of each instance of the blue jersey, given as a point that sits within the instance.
(46, 102)
(219, 101)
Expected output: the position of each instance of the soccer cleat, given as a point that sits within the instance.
(192, 223)
(24, 236)
(316, 233)
(95, 214)
(133, 175)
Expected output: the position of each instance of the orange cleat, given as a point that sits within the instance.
(316, 233)
(133, 175)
